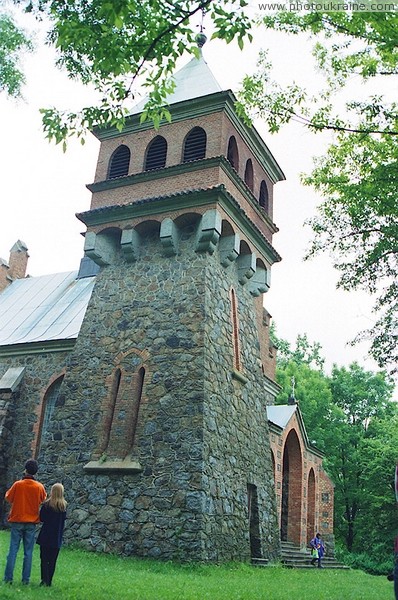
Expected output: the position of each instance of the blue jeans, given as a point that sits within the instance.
(25, 532)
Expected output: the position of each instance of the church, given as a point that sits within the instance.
(145, 381)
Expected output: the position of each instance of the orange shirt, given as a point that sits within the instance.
(25, 497)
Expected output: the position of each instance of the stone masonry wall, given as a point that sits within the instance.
(161, 313)
(152, 309)
(236, 442)
(21, 412)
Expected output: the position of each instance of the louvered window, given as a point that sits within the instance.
(232, 154)
(195, 145)
(156, 154)
(263, 199)
(249, 174)
(119, 163)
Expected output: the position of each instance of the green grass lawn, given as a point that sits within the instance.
(89, 576)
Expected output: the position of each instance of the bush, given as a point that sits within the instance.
(376, 562)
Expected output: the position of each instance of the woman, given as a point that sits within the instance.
(52, 515)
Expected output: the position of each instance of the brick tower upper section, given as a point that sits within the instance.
(205, 146)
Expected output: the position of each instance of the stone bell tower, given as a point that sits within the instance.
(163, 435)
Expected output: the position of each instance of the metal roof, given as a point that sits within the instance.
(281, 415)
(192, 81)
(40, 309)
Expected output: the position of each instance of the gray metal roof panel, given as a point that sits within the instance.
(38, 309)
(281, 414)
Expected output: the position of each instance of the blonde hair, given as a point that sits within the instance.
(56, 500)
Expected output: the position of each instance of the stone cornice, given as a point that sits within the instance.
(198, 107)
(46, 347)
(191, 199)
(188, 167)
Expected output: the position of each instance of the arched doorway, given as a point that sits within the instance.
(311, 505)
(291, 490)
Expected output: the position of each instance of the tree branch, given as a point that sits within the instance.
(204, 4)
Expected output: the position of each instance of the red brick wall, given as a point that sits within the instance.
(219, 129)
(323, 497)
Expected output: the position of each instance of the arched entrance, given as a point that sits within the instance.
(311, 505)
(291, 490)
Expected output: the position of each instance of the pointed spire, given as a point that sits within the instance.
(194, 80)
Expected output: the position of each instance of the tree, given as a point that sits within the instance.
(378, 456)
(357, 177)
(351, 418)
(364, 399)
(303, 364)
(13, 41)
(118, 46)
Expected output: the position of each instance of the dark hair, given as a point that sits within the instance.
(31, 466)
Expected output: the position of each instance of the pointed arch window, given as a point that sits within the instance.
(235, 330)
(49, 403)
(195, 145)
(249, 177)
(119, 162)
(121, 416)
(263, 198)
(156, 154)
(232, 153)
(117, 377)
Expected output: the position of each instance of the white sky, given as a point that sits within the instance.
(43, 188)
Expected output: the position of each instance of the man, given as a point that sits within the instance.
(25, 497)
(317, 544)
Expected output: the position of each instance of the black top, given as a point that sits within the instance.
(50, 534)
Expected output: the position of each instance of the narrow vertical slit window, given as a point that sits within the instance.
(235, 331)
(137, 396)
(50, 400)
(117, 377)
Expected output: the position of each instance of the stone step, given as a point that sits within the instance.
(294, 557)
(259, 562)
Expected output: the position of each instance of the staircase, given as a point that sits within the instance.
(293, 557)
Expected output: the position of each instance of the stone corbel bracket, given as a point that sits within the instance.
(100, 248)
(130, 244)
(169, 237)
(209, 232)
(246, 264)
(229, 249)
(260, 282)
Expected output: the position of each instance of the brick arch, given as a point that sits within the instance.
(120, 407)
(227, 228)
(311, 505)
(291, 489)
(244, 248)
(187, 221)
(41, 410)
